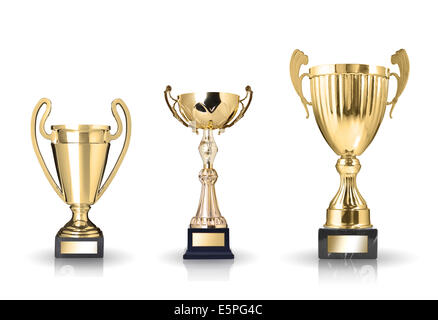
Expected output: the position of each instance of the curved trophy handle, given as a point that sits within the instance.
(249, 94)
(114, 104)
(299, 58)
(48, 103)
(172, 108)
(401, 59)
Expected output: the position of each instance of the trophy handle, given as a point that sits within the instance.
(171, 106)
(299, 58)
(48, 103)
(249, 94)
(401, 59)
(114, 104)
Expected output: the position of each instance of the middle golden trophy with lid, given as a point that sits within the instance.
(208, 235)
(349, 102)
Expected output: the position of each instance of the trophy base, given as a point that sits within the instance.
(78, 247)
(208, 244)
(347, 243)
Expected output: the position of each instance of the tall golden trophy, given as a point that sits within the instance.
(349, 102)
(80, 153)
(208, 235)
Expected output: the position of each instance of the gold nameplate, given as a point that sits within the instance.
(78, 247)
(208, 239)
(347, 244)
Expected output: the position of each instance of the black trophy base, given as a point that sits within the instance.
(208, 244)
(78, 247)
(347, 243)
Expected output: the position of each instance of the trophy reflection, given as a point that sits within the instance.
(347, 271)
(208, 235)
(80, 153)
(349, 102)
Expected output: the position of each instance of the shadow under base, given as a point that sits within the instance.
(347, 243)
(208, 244)
(78, 247)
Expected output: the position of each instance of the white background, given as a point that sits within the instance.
(276, 172)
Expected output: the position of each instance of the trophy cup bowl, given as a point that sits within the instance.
(80, 153)
(208, 235)
(209, 110)
(349, 102)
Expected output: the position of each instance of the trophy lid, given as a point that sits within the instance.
(348, 68)
(83, 133)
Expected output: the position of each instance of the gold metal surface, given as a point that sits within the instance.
(80, 154)
(349, 102)
(326, 69)
(208, 214)
(208, 111)
(347, 244)
(78, 247)
(208, 239)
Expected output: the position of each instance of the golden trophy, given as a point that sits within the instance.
(80, 153)
(208, 235)
(349, 102)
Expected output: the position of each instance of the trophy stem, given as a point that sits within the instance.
(80, 225)
(208, 214)
(348, 209)
(80, 212)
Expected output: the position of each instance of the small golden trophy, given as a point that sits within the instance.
(80, 153)
(208, 235)
(349, 102)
